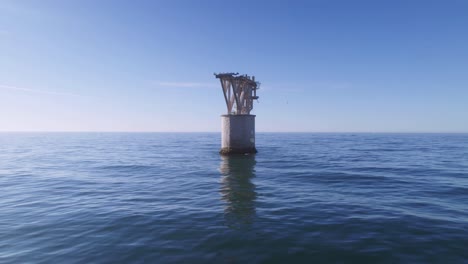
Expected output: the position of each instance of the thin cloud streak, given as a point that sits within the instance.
(316, 85)
(186, 84)
(22, 89)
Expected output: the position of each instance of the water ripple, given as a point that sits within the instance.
(170, 198)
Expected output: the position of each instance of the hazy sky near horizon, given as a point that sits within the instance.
(327, 66)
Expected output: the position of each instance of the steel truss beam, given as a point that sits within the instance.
(239, 92)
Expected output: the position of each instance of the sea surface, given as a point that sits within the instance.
(171, 198)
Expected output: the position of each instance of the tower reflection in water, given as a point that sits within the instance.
(237, 189)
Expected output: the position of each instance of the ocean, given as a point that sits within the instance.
(171, 198)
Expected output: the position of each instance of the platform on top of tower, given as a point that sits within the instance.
(236, 76)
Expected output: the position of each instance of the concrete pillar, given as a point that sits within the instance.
(237, 134)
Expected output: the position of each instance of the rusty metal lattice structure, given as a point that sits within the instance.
(239, 92)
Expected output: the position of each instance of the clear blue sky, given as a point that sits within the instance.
(329, 66)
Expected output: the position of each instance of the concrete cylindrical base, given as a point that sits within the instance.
(237, 134)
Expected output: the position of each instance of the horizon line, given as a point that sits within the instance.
(303, 132)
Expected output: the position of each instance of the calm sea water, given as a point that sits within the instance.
(170, 198)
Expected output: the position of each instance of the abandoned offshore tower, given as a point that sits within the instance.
(238, 125)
